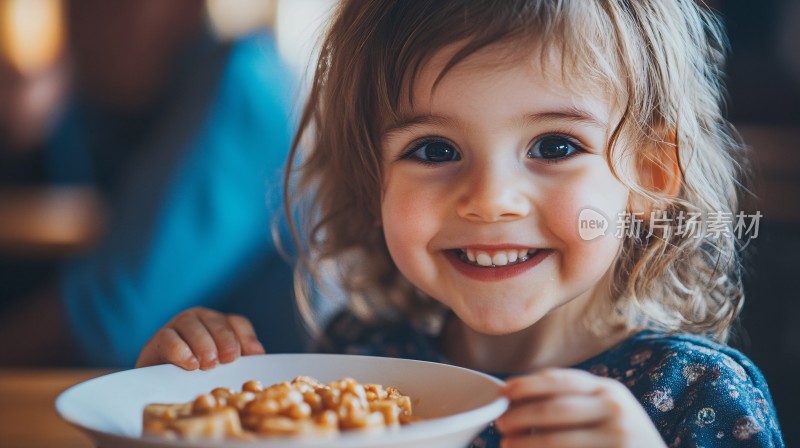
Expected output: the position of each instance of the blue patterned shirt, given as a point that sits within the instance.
(697, 392)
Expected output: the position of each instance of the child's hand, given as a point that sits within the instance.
(573, 408)
(200, 337)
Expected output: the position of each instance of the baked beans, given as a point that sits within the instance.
(301, 407)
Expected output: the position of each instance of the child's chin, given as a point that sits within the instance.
(499, 326)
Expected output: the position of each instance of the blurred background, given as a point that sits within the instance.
(130, 129)
(763, 79)
(141, 162)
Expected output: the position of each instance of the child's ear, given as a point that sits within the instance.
(661, 173)
(658, 171)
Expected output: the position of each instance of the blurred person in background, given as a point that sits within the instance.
(184, 136)
(34, 75)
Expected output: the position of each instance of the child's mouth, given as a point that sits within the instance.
(495, 265)
(491, 259)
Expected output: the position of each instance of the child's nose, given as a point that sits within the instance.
(493, 195)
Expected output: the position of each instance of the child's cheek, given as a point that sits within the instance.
(408, 219)
(582, 221)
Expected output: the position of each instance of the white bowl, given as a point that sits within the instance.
(456, 403)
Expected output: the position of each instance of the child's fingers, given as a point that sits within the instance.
(246, 335)
(227, 343)
(200, 337)
(553, 382)
(560, 412)
(192, 330)
(166, 346)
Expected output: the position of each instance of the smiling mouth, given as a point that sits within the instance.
(497, 258)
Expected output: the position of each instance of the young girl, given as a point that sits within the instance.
(516, 187)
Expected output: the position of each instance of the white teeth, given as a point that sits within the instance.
(512, 256)
(483, 259)
(499, 258)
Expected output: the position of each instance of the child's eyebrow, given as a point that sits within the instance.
(570, 114)
(416, 120)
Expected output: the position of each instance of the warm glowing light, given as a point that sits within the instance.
(233, 18)
(31, 33)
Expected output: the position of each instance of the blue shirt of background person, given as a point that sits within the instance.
(193, 189)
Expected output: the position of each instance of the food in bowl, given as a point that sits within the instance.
(302, 407)
(455, 404)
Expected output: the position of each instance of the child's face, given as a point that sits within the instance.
(495, 165)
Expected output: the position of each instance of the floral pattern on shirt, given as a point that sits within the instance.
(698, 393)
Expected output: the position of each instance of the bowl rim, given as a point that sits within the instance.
(419, 431)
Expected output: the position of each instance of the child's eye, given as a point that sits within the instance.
(433, 151)
(554, 148)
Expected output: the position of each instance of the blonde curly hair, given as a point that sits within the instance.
(662, 58)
